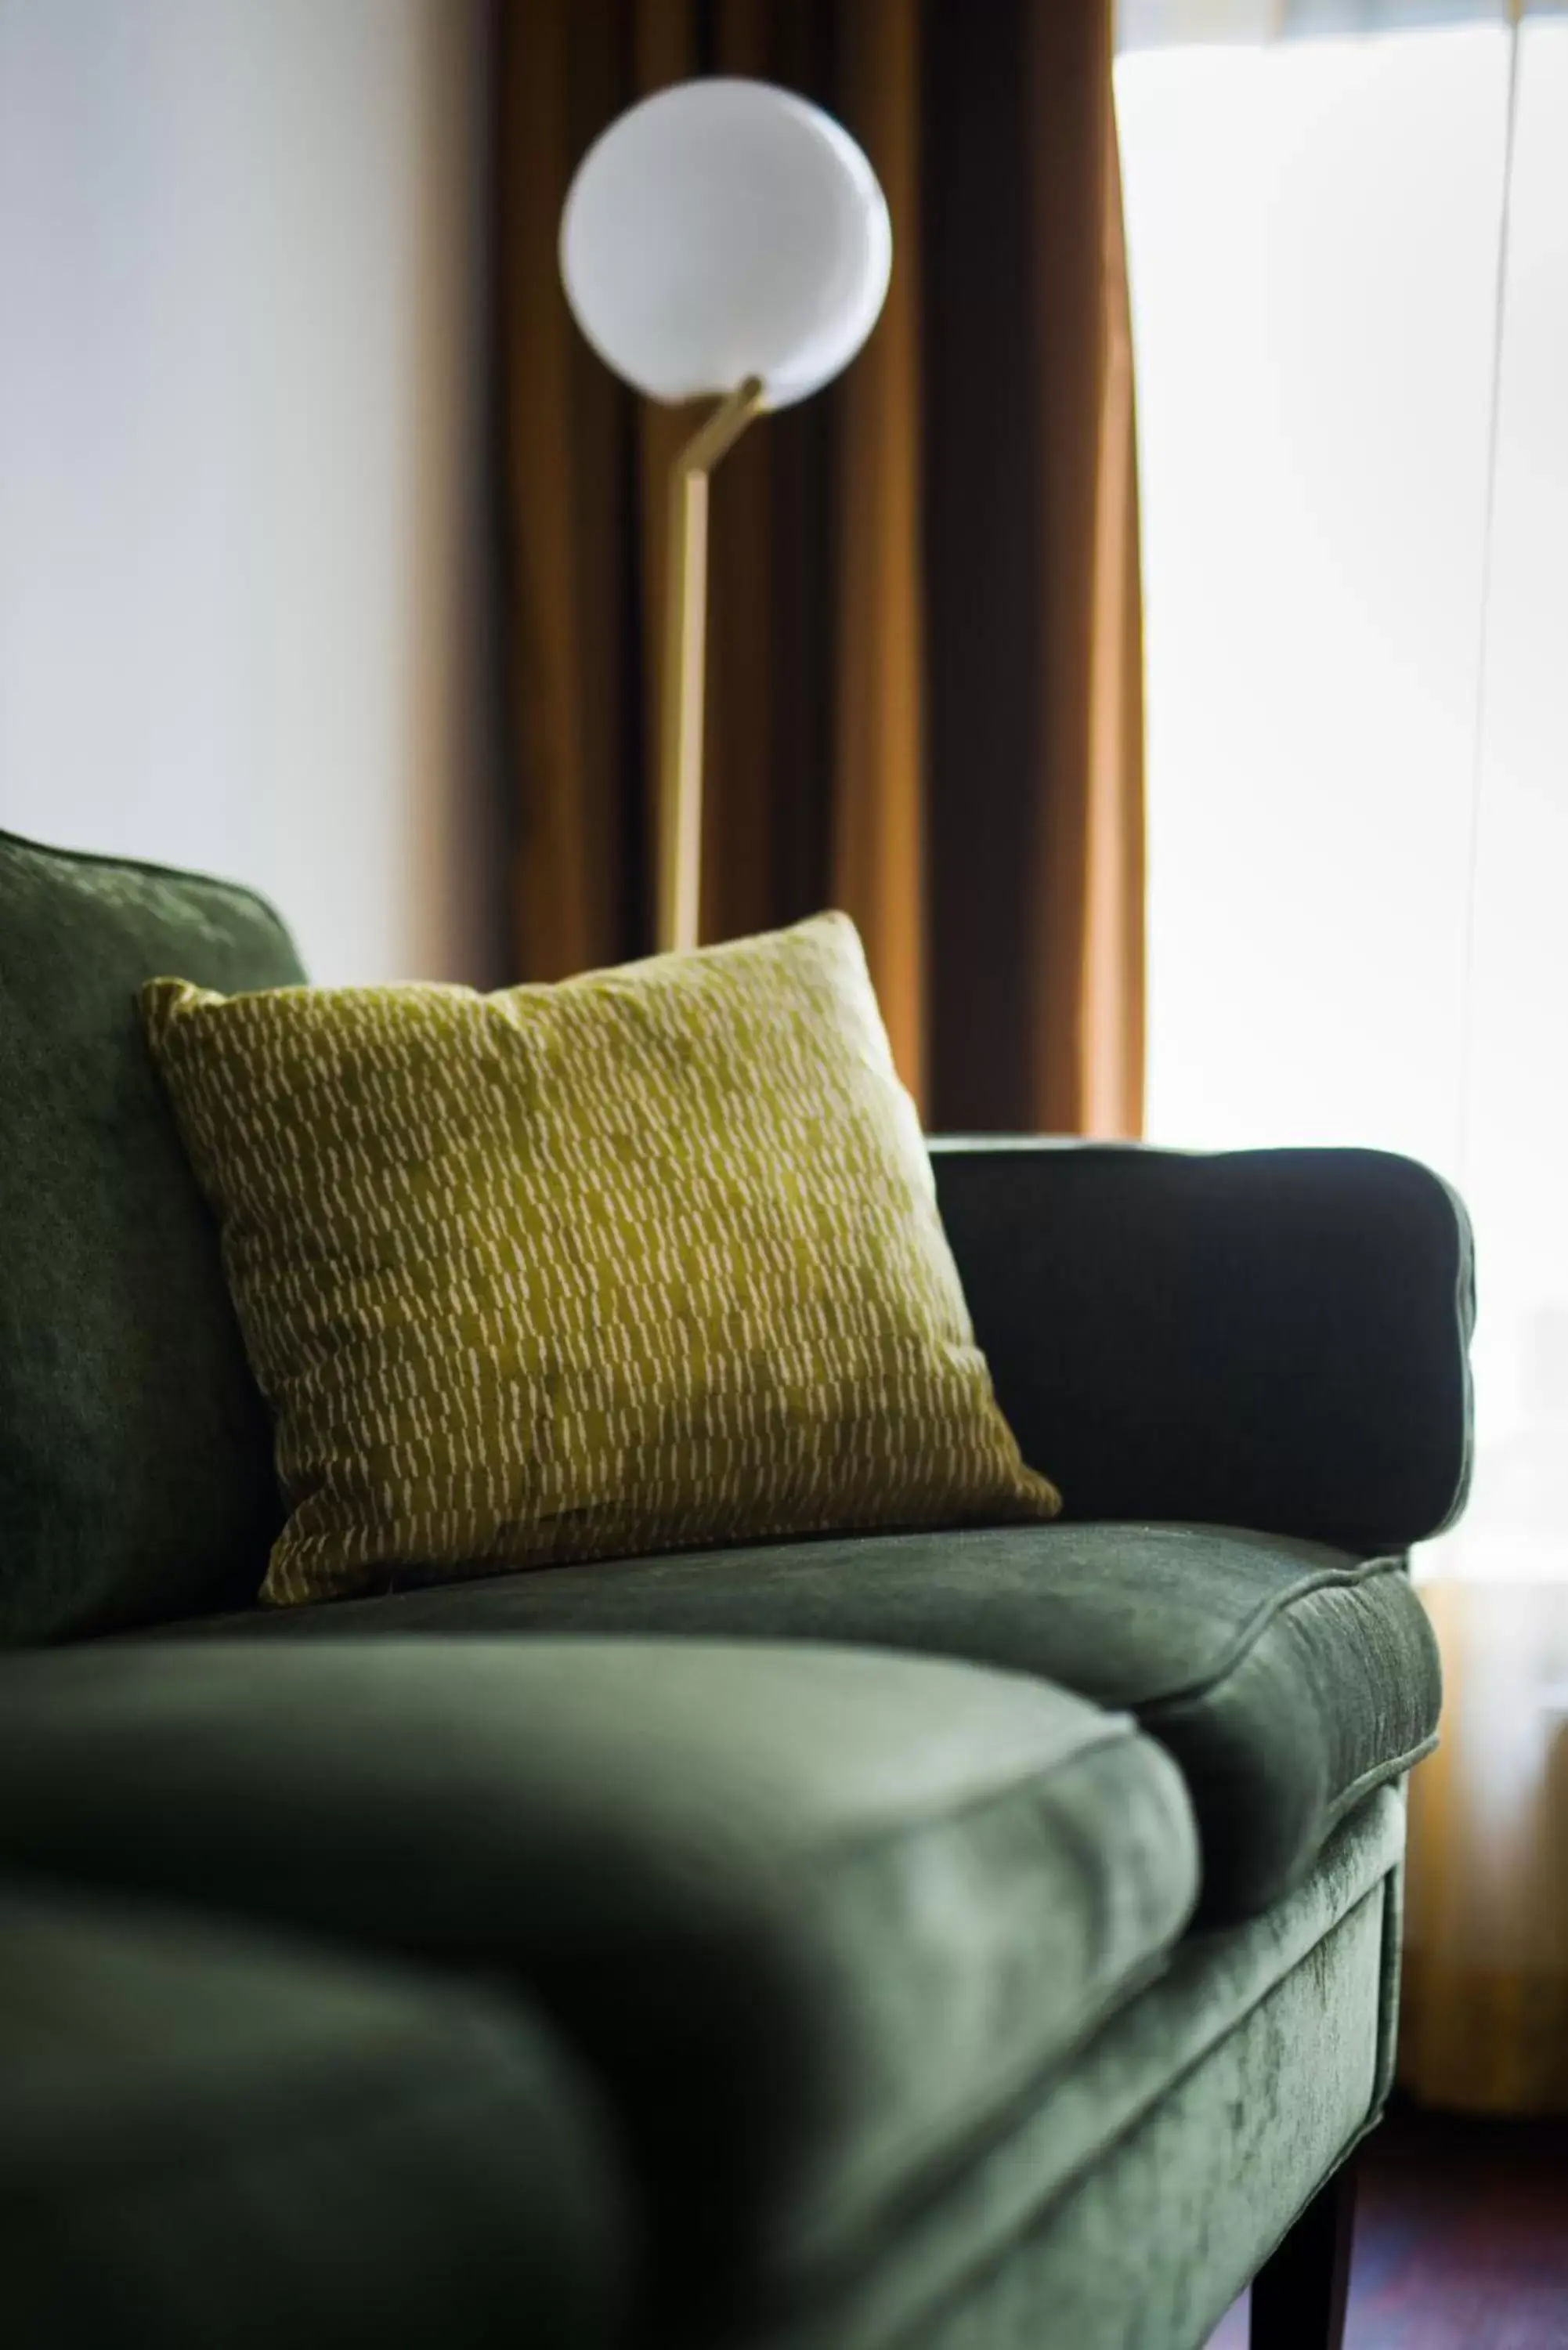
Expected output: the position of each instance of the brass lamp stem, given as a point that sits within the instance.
(685, 626)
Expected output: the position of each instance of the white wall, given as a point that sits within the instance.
(237, 330)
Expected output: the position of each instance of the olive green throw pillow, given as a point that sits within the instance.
(647, 1260)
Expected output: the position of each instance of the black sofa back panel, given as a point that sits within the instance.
(1269, 1338)
(136, 1479)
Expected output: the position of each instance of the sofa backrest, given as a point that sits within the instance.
(136, 1478)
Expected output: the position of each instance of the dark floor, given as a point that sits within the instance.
(1461, 2239)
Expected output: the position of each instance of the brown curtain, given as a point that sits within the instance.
(1484, 2022)
(925, 687)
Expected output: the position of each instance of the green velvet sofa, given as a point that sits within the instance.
(944, 1941)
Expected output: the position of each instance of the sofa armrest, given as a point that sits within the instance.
(1268, 1338)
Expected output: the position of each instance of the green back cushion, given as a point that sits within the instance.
(136, 1478)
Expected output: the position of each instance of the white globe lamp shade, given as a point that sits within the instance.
(723, 229)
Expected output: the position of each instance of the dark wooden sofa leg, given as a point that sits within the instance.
(1299, 2294)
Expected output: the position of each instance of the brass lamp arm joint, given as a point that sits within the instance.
(722, 428)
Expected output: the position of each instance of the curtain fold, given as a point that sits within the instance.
(1090, 1069)
(925, 671)
(878, 815)
(1485, 2021)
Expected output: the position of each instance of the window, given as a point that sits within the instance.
(1353, 386)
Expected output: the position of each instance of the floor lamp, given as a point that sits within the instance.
(722, 240)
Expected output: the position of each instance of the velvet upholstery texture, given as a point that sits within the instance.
(211, 2138)
(1287, 1680)
(1150, 2249)
(1272, 1338)
(1276, 2017)
(136, 1474)
(817, 1920)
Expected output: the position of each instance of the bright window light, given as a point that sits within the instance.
(1349, 942)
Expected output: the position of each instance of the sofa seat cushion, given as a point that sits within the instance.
(215, 2137)
(1132, 2202)
(817, 1920)
(1288, 1679)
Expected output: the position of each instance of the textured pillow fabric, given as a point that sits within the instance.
(643, 1260)
(135, 1473)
